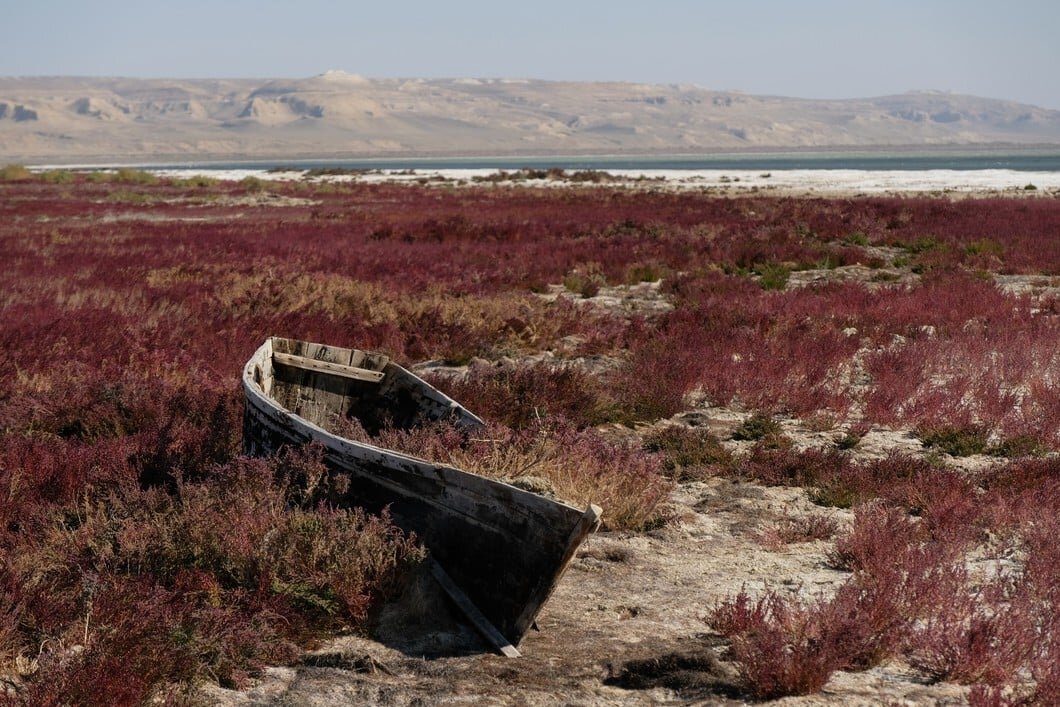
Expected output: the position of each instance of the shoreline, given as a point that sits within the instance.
(802, 182)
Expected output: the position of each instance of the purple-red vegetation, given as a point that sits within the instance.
(779, 645)
(796, 529)
(518, 396)
(136, 552)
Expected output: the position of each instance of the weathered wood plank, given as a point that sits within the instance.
(322, 396)
(335, 369)
(476, 617)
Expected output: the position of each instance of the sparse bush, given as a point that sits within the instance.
(773, 276)
(645, 272)
(847, 441)
(57, 176)
(1017, 446)
(783, 466)
(198, 181)
(15, 173)
(127, 175)
(585, 281)
(252, 184)
(778, 645)
(521, 395)
(955, 441)
(798, 529)
(756, 427)
(688, 453)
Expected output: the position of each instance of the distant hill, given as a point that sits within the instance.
(335, 114)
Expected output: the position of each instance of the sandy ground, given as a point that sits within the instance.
(628, 623)
(627, 597)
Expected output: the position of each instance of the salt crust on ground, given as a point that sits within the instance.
(819, 182)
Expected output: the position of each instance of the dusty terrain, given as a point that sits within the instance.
(626, 598)
(336, 114)
(628, 622)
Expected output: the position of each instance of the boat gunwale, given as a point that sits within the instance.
(251, 388)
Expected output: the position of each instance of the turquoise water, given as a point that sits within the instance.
(1026, 161)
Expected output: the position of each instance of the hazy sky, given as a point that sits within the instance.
(806, 48)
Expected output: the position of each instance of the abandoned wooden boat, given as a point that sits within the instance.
(496, 549)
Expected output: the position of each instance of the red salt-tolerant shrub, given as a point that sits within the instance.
(878, 536)
(1041, 571)
(1021, 475)
(778, 645)
(123, 338)
(517, 395)
(867, 618)
(1017, 505)
(997, 696)
(770, 351)
(781, 646)
(947, 505)
(123, 655)
(11, 610)
(1045, 669)
(785, 466)
(652, 382)
(969, 640)
(797, 530)
(738, 614)
(210, 581)
(37, 474)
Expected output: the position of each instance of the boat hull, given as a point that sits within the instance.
(504, 547)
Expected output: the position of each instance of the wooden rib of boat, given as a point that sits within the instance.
(496, 549)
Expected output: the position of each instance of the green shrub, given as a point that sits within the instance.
(984, 246)
(252, 184)
(757, 427)
(644, 272)
(847, 441)
(585, 281)
(57, 176)
(922, 245)
(772, 276)
(955, 441)
(198, 180)
(1018, 446)
(127, 175)
(15, 173)
(687, 452)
